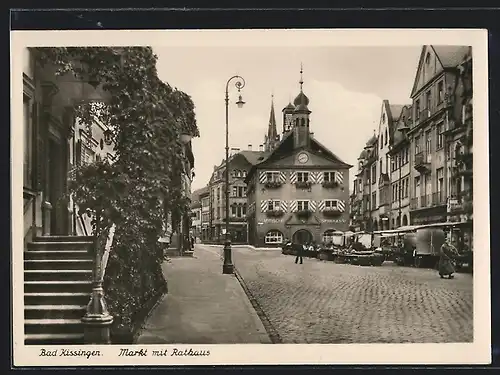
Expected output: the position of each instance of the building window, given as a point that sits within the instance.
(417, 186)
(302, 176)
(417, 145)
(394, 192)
(393, 163)
(239, 191)
(234, 210)
(331, 204)
(428, 58)
(381, 141)
(440, 136)
(406, 152)
(428, 102)
(374, 173)
(28, 143)
(383, 118)
(272, 176)
(417, 109)
(440, 92)
(374, 200)
(303, 205)
(218, 194)
(428, 142)
(329, 176)
(406, 187)
(440, 179)
(386, 137)
(274, 237)
(273, 205)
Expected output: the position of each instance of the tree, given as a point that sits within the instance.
(147, 117)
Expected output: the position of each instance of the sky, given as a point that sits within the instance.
(345, 86)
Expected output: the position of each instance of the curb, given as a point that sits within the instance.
(249, 246)
(271, 331)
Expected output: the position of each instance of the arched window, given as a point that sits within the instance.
(303, 122)
(386, 137)
(274, 237)
(428, 58)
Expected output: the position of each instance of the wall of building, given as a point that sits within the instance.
(287, 193)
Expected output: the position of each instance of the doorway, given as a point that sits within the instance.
(56, 187)
(302, 237)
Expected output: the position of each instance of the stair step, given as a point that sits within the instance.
(66, 264)
(53, 326)
(57, 254)
(53, 339)
(57, 275)
(54, 311)
(56, 298)
(64, 239)
(59, 245)
(80, 286)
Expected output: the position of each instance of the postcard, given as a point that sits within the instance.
(231, 197)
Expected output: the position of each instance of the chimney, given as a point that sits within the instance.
(261, 148)
(249, 147)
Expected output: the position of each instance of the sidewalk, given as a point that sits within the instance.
(203, 306)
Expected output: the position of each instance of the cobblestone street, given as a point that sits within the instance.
(324, 302)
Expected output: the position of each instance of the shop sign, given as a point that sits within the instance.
(453, 205)
(334, 221)
(272, 221)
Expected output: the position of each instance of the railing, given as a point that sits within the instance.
(413, 203)
(82, 223)
(438, 198)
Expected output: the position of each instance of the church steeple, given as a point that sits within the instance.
(272, 133)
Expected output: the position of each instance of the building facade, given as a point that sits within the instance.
(240, 163)
(437, 114)
(196, 212)
(429, 151)
(205, 213)
(54, 143)
(299, 188)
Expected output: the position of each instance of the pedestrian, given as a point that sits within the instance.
(446, 253)
(299, 248)
(192, 242)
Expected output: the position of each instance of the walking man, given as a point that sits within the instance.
(446, 254)
(300, 251)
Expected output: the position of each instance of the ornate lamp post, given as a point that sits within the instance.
(227, 267)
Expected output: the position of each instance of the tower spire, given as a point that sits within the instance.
(301, 79)
(272, 132)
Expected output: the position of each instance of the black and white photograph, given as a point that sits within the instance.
(193, 190)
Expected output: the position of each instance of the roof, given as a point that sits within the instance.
(195, 195)
(286, 139)
(451, 56)
(396, 110)
(253, 156)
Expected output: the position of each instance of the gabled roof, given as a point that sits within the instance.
(195, 195)
(449, 56)
(282, 150)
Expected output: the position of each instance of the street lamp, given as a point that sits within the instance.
(227, 267)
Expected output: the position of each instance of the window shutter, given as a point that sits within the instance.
(312, 205)
(320, 177)
(293, 206)
(263, 205)
(321, 206)
(283, 206)
(339, 177)
(293, 177)
(341, 205)
(282, 177)
(262, 177)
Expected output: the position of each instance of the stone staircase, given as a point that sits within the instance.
(57, 286)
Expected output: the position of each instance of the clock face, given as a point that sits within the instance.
(303, 158)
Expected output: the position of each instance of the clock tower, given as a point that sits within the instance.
(300, 117)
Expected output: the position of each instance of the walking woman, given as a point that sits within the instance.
(446, 254)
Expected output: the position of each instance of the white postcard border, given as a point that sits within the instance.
(478, 352)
